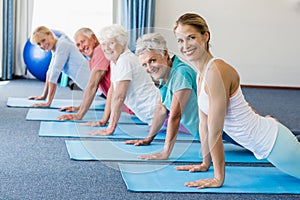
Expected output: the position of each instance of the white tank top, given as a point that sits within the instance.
(242, 124)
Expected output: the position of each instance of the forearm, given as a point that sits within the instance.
(180, 99)
(51, 93)
(116, 109)
(118, 97)
(215, 131)
(217, 153)
(46, 88)
(172, 131)
(88, 98)
(205, 147)
(90, 91)
(107, 109)
(159, 118)
(203, 128)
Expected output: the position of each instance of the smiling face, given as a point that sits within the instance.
(155, 64)
(112, 48)
(85, 44)
(191, 43)
(46, 41)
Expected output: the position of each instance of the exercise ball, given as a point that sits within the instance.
(37, 60)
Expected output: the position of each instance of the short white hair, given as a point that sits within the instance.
(115, 31)
(151, 42)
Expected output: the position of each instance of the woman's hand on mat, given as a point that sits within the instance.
(41, 105)
(155, 156)
(193, 168)
(70, 109)
(143, 142)
(36, 98)
(69, 117)
(205, 183)
(97, 123)
(106, 131)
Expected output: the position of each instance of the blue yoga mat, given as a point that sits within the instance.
(118, 151)
(123, 131)
(98, 104)
(239, 179)
(39, 114)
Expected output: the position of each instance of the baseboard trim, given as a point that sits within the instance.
(270, 87)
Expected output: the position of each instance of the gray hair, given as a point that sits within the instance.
(85, 31)
(115, 31)
(150, 42)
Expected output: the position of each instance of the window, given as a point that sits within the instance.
(70, 15)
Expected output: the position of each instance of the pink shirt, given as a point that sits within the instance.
(99, 62)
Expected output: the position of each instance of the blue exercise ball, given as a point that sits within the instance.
(37, 60)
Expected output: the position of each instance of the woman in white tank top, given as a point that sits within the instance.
(223, 107)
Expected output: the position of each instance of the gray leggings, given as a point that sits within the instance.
(285, 154)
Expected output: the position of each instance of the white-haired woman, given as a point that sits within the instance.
(177, 84)
(130, 84)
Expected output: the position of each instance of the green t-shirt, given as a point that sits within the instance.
(182, 76)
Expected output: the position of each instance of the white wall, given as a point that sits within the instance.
(261, 39)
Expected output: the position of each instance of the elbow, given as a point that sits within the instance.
(92, 86)
(214, 131)
(175, 117)
(119, 99)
